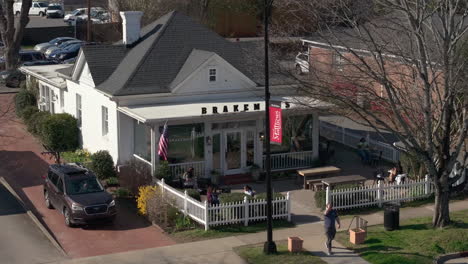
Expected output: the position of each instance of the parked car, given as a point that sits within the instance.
(24, 56)
(76, 192)
(302, 63)
(54, 49)
(39, 63)
(42, 47)
(69, 61)
(37, 8)
(55, 10)
(69, 52)
(69, 18)
(12, 78)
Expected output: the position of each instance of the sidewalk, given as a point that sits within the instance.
(220, 250)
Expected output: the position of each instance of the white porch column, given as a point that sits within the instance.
(315, 135)
(208, 149)
(259, 146)
(155, 134)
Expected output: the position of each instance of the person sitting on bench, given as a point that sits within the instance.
(189, 180)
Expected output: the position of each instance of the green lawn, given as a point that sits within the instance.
(225, 231)
(76, 156)
(254, 254)
(415, 243)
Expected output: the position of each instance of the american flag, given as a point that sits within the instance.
(162, 149)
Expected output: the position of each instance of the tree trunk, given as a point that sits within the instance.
(441, 216)
(11, 57)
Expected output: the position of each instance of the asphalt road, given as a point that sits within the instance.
(21, 241)
(37, 21)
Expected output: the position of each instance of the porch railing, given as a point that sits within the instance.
(290, 160)
(178, 169)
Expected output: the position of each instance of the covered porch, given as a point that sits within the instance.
(220, 138)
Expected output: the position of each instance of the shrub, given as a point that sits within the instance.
(122, 192)
(320, 199)
(231, 197)
(112, 181)
(262, 196)
(60, 133)
(27, 112)
(36, 121)
(102, 165)
(144, 194)
(134, 174)
(77, 156)
(164, 172)
(194, 194)
(23, 99)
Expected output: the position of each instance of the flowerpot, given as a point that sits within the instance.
(295, 244)
(357, 236)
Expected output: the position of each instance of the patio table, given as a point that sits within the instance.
(319, 172)
(344, 179)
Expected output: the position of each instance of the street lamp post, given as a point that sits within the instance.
(270, 246)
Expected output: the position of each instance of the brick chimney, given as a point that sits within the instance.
(131, 25)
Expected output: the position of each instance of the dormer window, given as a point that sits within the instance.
(212, 75)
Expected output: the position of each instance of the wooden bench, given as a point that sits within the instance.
(317, 173)
(348, 179)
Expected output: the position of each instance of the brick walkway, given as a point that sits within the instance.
(22, 165)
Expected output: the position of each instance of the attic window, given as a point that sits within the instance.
(212, 75)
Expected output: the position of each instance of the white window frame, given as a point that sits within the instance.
(79, 113)
(51, 100)
(42, 102)
(212, 72)
(105, 120)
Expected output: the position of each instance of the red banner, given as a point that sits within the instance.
(276, 133)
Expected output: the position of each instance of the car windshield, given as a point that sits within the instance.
(54, 8)
(66, 44)
(73, 47)
(82, 185)
(76, 12)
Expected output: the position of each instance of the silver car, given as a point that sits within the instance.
(42, 47)
(51, 49)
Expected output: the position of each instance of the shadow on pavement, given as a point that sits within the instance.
(9, 205)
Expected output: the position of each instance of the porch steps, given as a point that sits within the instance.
(237, 179)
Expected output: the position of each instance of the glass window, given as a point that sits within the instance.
(82, 185)
(217, 151)
(249, 123)
(250, 147)
(53, 177)
(62, 99)
(212, 75)
(78, 109)
(297, 134)
(60, 185)
(186, 143)
(52, 101)
(142, 140)
(105, 121)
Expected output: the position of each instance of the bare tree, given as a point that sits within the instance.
(12, 31)
(404, 71)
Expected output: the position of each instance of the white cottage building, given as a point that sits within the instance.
(209, 91)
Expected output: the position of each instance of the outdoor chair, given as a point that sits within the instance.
(400, 178)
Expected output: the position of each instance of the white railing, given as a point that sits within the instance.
(290, 160)
(178, 169)
(340, 135)
(379, 194)
(229, 213)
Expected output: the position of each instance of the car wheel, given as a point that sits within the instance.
(68, 222)
(47, 200)
(41, 14)
(298, 70)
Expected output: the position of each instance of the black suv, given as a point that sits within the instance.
(77, 193)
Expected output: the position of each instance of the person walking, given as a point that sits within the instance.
(331, 218)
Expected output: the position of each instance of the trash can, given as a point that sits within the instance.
(392, 217)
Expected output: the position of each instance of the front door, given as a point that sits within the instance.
(233, 152)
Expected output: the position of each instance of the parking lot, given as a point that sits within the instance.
(23, 165)
(37, 21)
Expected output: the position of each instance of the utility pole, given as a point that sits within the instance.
(88, 29)
(270, 246)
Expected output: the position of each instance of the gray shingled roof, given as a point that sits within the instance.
(160, 57)
(103, 59)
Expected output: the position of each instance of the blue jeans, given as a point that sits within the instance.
(364, 154)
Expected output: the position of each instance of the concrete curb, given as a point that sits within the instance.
(443, 258)
(33, 217)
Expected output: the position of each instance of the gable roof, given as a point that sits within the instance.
(194, 60)
(103, 60)
(153, 63)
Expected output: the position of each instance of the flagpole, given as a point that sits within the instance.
(270, 246)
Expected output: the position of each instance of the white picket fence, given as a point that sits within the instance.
(379, 194)
(290, 160)
(340, 135)
(229, 213)
(178, 169)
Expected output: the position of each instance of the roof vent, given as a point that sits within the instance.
(131, 25)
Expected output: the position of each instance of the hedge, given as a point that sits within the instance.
(102, 165)
(34, 123)
(24, 99)
(28, 112)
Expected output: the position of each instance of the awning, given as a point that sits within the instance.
(47, 73)
(215, 108)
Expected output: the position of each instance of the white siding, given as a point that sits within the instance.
(91, 128)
